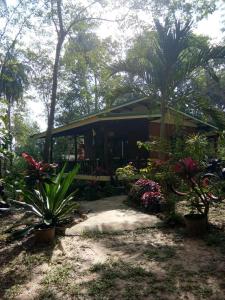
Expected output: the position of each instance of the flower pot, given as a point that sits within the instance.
(60, 230)
(196, 224)
(45, 235)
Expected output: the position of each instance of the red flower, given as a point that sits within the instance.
(158, 162)
(31, 161)
(186, 166)
(39, 166)
(178, 168)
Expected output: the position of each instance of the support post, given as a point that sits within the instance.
(106, 157)
(75, 144)
(51, 149)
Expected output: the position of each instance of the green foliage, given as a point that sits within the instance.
(186, 9)
(163, 65)
(90, 86)
(51, 203)
(197, 147)
(57, 276)
(13, 79)
(22, 130)
(156, 145)
(127, 173)
(5, 140)
(94, 190)
(221, 146)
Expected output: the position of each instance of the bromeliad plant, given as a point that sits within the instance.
(198, 191)
(50, 204)
(38, 172)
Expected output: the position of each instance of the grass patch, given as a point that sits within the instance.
(189, 281)
(46, 294)
(12, 292)
(57, 275)
(112, 273)
(215, 239)
(31, 260)
(99, 287)
(131, 293)
(119, 269)
(160, 254)
(74, 290)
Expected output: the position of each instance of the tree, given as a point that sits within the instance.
(40, 71)
(86, 76)
(180, 8)
(15, 20)
(169, 60)
(13, 81)
(22, 130)
(65, 19)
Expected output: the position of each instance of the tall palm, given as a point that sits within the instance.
(169, 60)
(13, 79)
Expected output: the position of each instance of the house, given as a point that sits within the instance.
(102, 142)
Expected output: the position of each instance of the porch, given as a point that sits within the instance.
(99, 149)
(104, 141)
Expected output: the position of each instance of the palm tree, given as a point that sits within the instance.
(13, 80)
(171, 58)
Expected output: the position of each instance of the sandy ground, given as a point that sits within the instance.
(111, 215)
(151, 263)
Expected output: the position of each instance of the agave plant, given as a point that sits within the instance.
(51, 203)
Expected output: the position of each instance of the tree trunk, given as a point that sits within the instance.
(9, 110)
(9, 115)
(96, 93)
(162, 126)
(47, 146)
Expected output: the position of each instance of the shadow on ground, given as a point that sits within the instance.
(18, 258)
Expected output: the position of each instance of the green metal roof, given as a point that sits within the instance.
(108, 112)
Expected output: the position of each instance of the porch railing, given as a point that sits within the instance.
(98, 167)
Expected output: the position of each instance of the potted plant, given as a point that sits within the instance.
(50, 203)
(198, 194)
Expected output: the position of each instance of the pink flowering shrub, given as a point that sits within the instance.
(146, 194)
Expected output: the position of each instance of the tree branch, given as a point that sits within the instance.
(85, 8)
(59, 14)
(53, 20)
(87, 19)
(9, 19)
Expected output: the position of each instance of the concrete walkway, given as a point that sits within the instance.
(111, 215)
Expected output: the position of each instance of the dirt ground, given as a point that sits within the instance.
(111, 215)
(153, 263)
